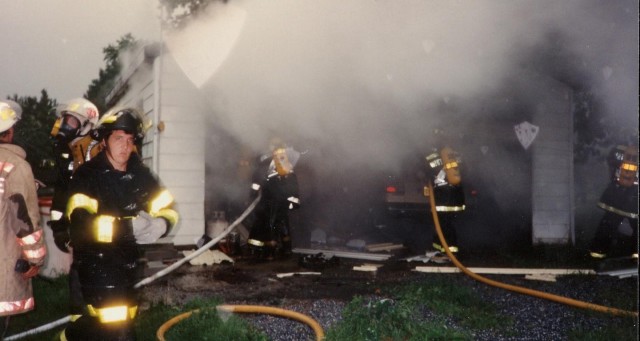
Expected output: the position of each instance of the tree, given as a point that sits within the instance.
(32, 133)
(100, 87)
(176, 12)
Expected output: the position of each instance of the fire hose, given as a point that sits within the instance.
(250, 309)
(155, 276)
(518, 289)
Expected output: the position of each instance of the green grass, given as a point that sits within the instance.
(389, 320)
(401, 318)
(455, 301)
(618, 328)
(205, 324)
(52, 297)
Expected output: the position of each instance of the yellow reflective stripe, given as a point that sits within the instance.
(31, 239)
(450, 165)
(255, 242)
(617, 211)
(450, 208)
(294, 200)
(452, 249)
(16, 306)
(7, 167)
(55, 215)
(80, 200)
(103, 227)
(162, 200)
(169, 214)
(35, 254)
(629, 166)
(101, 312)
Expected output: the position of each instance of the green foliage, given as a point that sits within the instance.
(100, 87)
(177, 12)
(32, 133)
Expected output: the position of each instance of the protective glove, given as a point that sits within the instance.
(61, 235)
(147, 229)
(62, 240)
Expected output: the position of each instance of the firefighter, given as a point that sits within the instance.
(443, 167)
(115, 204)
(22, 246)
(72, 146)
(275, 180)
(620, 202)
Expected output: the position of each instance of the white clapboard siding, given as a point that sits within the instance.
(181, 150)
(153, 82)
(552, 166)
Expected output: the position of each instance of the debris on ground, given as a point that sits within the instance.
(208, 257)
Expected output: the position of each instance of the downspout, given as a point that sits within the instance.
(572, 194)
(157, 80)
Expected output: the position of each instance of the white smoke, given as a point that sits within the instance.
(372, 76)
(365, 82)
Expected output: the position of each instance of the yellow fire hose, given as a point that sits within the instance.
(251, 309)
(521, 290)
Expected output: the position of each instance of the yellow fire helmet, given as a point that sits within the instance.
(629, 167)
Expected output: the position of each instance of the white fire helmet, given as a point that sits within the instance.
(83, 110)
(10, 113)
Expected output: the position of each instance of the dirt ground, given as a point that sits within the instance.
(267, 282)
(301, 276)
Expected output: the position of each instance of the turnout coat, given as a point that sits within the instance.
(21, 236)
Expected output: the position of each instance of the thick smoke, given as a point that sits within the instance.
(373, 77)
(362, 84)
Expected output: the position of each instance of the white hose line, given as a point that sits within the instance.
(154, 276)
(40, 329)
(202, 249)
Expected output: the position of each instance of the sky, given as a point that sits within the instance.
(57, 44)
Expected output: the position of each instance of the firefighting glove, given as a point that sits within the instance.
(147, 229)
(60, 236)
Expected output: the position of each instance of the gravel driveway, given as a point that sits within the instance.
(323, 296)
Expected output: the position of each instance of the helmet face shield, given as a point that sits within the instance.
(69, 127)
(281, 161)
(83, 110)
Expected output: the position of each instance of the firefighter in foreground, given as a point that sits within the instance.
(620, 202)
(22, 247)
(443, 168)
(72, 146)
(274, 178)
(115, 204)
